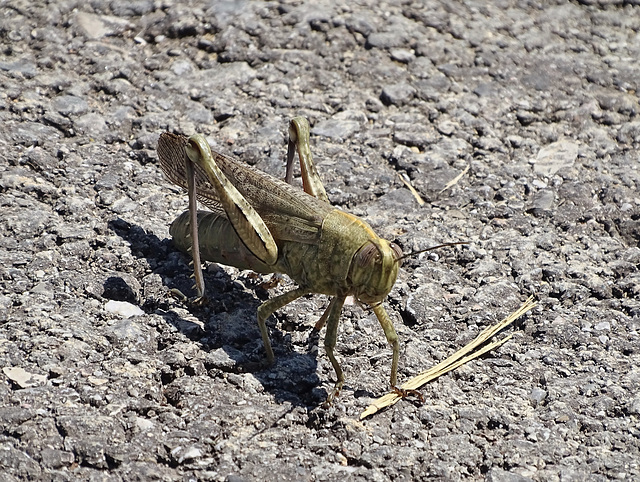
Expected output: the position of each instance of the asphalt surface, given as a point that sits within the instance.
(516, 123)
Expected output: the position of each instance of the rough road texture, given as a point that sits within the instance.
(538, 100)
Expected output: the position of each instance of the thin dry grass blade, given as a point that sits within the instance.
(462, 356)
(454, 181)
(411, 189)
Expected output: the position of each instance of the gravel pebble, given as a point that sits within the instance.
(70, 105)
(397, 94)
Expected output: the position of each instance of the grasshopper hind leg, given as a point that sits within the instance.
(299, 141)
(193, 234)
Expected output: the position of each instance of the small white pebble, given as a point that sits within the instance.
(122, 308)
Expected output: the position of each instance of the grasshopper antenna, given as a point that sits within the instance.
(429, 249)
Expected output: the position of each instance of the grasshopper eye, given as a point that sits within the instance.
(367, 255)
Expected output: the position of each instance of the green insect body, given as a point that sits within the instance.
(267, 225)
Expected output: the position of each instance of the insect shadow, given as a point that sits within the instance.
(225, 327)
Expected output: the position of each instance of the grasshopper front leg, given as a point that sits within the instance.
(333, 318)
(392, 338)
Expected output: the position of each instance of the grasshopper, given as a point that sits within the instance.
(261, 223)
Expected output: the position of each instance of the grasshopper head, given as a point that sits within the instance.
(374, 269)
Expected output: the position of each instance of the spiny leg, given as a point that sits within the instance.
(180, 170)
(299, 140)
(193, 229)
(330, 337)
(267, 308)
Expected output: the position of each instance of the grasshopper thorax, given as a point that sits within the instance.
(373, 270)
